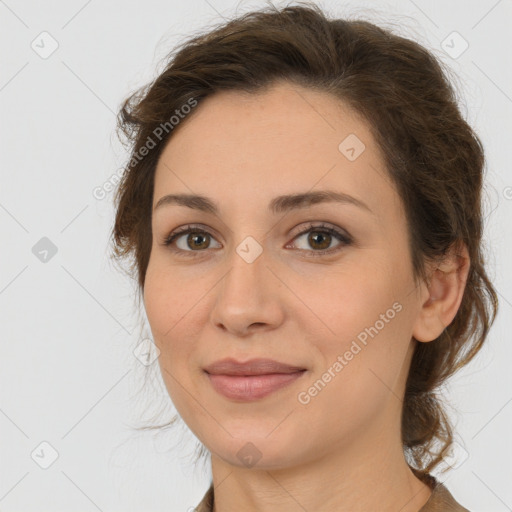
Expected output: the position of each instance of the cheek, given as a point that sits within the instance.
(372, 335)
(368, 333)
(166, 298)
(169, 307)
(360, 376)
(158, 296)
(351, 298)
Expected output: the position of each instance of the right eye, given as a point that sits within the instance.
(196, 241)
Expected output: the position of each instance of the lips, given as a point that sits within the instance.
(252, 367)
(251, 380)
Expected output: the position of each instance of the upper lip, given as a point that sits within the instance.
(260, 366)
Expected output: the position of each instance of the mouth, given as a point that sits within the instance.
(251, 380)
(251, 367)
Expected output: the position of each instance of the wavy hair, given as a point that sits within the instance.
(432, 156)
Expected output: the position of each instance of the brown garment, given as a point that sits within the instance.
(440, 500)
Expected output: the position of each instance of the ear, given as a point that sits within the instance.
(444, 294)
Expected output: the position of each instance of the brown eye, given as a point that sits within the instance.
(318, 242)
(195, 241)
(320, 238)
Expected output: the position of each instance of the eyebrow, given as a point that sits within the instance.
(279, 204)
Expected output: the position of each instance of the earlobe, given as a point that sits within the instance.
(445, 291)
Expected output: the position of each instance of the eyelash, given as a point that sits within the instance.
(322, 228)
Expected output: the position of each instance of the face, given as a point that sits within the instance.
(321, 285)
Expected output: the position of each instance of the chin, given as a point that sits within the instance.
(258, 451)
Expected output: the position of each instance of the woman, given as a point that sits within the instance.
(302, 204)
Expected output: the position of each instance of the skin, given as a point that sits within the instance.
(342, 450)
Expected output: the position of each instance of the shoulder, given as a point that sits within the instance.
(441, 500)
(206, 504)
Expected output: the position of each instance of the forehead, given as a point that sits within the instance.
(287, 139)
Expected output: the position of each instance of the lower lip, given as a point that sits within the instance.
(247, 388)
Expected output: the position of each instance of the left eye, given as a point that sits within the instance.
(321, 237)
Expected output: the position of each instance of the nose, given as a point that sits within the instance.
(248, 298)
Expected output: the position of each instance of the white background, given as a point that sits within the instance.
(68, 375)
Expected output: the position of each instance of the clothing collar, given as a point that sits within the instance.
(441, 500)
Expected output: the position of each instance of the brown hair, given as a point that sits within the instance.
(432, 155)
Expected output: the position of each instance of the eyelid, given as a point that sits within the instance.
(323, 226)
(169, 239)
(340, 234)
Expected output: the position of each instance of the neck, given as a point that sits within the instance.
(356, 477)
